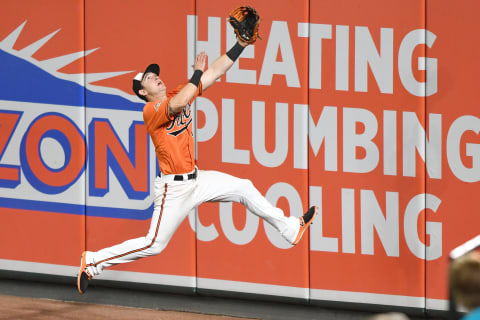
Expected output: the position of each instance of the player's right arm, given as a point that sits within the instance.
(186, 94)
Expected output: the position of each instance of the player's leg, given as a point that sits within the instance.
(170, 210)
(171, 205)
(218, 186)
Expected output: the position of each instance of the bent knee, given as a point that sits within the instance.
(157, 247)
(246, 189)
(246, 184)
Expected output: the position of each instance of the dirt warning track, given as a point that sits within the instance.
(20, 308)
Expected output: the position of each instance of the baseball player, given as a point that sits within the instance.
(181, 186)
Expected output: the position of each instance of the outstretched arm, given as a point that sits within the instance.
(183, 97)
(222, 64)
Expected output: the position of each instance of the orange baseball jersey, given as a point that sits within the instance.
(172, 135)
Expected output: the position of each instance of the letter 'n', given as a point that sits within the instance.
(108, 152)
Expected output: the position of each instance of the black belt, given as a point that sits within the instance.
(179, 177)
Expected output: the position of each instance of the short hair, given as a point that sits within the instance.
(141, 96)
(465, 280)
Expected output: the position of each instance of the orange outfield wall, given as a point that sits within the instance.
(365, 110)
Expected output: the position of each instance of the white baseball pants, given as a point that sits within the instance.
(173, 200)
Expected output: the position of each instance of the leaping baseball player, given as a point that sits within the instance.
(181, 186)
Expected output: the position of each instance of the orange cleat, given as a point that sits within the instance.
(83, 275)
(305, 221)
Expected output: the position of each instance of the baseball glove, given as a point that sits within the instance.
(245, 21)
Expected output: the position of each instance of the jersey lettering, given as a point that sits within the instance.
(181, 122)
(172, 136)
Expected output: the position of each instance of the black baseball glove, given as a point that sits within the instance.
(245, 21)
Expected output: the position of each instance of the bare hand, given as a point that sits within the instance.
(242, 43)
(200, 61)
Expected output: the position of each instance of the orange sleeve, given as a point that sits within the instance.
(177, 90)
(155, 114)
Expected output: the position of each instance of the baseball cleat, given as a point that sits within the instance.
(305, 221)
(83, 275)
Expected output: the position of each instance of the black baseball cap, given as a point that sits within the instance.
(137, 81)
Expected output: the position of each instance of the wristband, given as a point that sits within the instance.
(195, 79)
(235, 51)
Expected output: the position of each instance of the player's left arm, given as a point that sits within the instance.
(186, 94)
(221, 65)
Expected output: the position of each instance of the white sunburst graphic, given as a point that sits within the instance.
(54, 64)
(46, 134)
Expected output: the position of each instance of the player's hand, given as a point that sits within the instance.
(242, 43)
(200, 61)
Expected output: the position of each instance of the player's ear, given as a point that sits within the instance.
(143, 92)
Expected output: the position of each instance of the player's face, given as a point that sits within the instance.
(153, 84)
